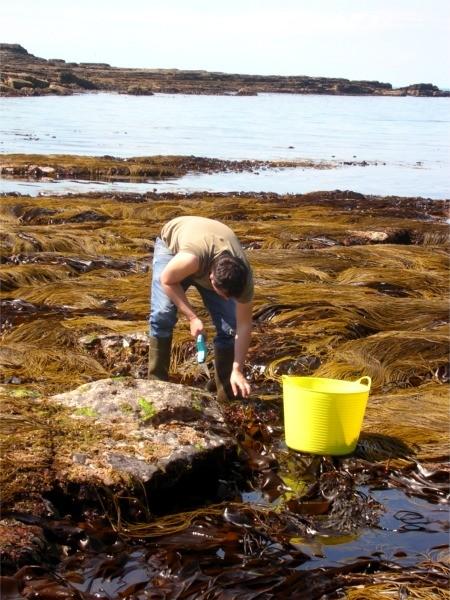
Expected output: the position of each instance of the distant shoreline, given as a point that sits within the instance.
(24, 74)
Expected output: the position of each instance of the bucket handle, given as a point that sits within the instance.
(366, 380)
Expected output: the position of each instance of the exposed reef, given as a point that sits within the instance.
(66, 166)
(24, 74)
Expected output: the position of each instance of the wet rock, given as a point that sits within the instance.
(21, 544)
(40, 171)
(87, 215)
(43, 171)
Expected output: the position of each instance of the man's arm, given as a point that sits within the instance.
(181, 266)
(241, 344)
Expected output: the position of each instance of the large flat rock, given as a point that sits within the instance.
(143, 428)
(130, 447)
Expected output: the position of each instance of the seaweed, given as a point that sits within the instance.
(346, 286)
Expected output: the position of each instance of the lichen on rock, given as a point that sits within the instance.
(143, 426)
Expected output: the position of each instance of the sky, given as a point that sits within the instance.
(395, 41)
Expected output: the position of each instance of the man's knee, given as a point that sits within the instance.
(162, 322)
(225, 337)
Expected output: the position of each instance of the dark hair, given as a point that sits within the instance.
(230, 274)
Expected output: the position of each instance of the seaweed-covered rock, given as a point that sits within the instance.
(21, 544)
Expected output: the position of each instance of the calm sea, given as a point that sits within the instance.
(408, 138)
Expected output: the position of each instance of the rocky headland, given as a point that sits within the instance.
(23, 74)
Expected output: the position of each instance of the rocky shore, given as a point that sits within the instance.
(24, 74)
(93, 454)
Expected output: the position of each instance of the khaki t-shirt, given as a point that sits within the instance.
(206, 239)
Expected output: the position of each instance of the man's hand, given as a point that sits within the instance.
(196, 326)
(239, 384)
(243, 332)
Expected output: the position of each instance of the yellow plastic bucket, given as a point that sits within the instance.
(324, 416)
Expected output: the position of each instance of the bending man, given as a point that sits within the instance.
(207, 254)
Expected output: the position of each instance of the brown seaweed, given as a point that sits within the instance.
(347, 286)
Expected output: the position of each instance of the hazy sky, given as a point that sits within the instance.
(396, 41)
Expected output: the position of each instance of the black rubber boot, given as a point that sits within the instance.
(211, 385)
(159, 358)
(223, 362)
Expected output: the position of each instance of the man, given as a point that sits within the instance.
(207, 254)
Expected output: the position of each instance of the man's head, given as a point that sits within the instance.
(228, 275)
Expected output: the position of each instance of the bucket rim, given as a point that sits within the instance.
(366, 385)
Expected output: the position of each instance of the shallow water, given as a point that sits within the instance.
(428, 182)
(400, 542)
(409, 528)
(410, 135)
(268, 126)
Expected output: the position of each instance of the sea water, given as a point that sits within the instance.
(405, 140)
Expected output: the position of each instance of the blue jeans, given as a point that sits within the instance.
(163, 312)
